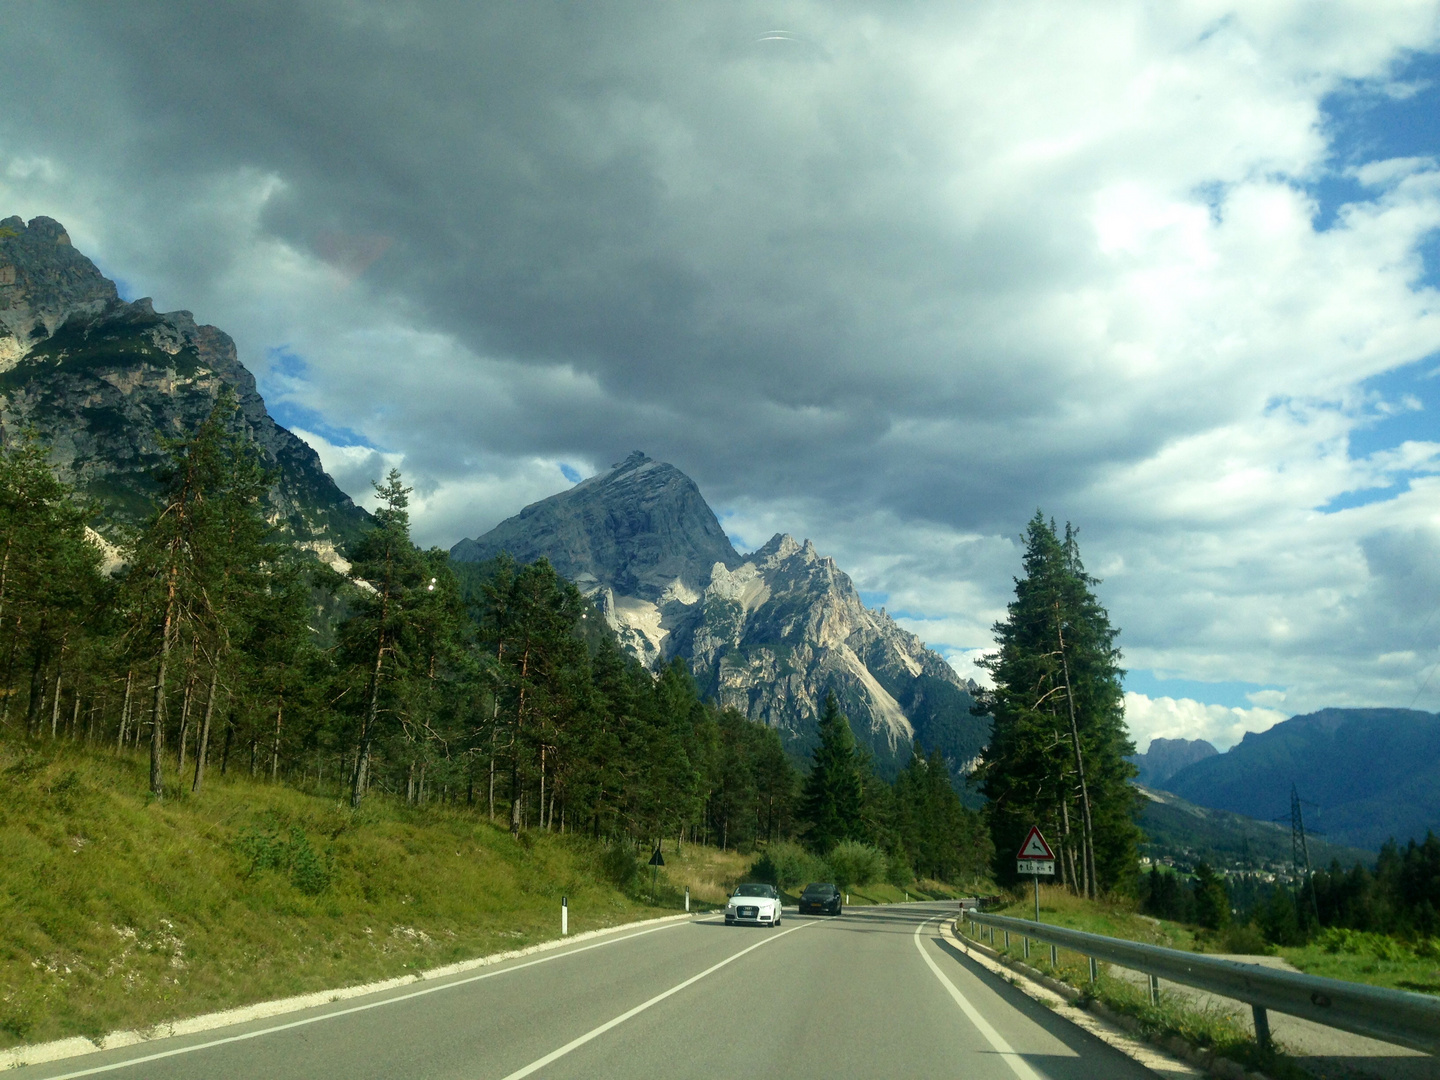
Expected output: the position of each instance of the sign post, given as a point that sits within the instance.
(656, 861)
(1035, 858)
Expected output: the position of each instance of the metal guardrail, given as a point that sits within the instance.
(1395, 1016)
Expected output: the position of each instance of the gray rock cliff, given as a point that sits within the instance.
(769, 634)
(100, 381)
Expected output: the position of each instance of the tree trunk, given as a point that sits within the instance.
(542, 785)
(55, 705)
(360, 782)
(157, 706)
(125, 711)
(202, 740)
(275, 749)
(185, 704)
(10, 674)
(37, 693)
(1088, 837)
(515, 747)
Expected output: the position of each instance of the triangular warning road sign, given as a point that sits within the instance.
(659, 860)
(1035, 846)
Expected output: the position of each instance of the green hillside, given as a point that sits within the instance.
(120, 912)
(1186, 834)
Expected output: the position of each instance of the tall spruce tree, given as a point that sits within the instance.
(832, 803)
(382, 639)
(1058, 749)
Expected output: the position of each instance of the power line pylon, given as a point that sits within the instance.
(1300, 851)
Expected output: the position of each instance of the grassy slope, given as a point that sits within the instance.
(116, 912)
(1367, 958)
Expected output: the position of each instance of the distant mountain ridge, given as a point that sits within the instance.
(1165, 757)
(769, 634)
(101, 381)
(1370, 774)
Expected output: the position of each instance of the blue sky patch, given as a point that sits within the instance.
(1366, 123)
(1403, 406)
(286, 363)
(570, 473)
(1228, 694)
(293, 415)
(873, 599)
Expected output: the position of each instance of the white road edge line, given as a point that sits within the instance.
(594, 1033)
(558, 955)
(1017, 1064)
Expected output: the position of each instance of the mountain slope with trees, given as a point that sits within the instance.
(1366, 775)
(769, 634)
(103, 383)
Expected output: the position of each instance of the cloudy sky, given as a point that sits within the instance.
(888, 276)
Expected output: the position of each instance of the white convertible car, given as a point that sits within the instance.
(758, 904)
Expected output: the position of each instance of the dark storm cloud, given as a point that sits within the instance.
(891, 276)
(740, 238)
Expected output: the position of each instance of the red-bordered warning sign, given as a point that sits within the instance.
(1035, 846)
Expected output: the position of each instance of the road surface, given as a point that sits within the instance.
(876, 992)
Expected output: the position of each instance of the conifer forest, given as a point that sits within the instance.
(216, 645)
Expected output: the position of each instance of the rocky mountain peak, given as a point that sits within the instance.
(769, 633)
(641, 530)
(100, 380)
(43, 282)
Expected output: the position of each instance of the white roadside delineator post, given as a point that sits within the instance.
(564, 915)
(687, 897)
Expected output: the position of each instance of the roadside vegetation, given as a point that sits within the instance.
(120, 911)
(1213, 1029)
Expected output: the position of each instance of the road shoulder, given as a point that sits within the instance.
(1161, 1064)
(78, 1046)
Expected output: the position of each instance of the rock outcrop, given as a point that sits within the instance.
(1166, 757)
(769, 634)
(101, 381)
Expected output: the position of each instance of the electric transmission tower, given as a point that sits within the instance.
(1300, 851)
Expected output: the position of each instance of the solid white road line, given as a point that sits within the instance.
(1017, 1064)
(354, 1008)
(594, 1033)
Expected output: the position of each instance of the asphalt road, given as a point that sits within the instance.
(873, 993)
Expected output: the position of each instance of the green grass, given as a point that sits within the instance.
(882, 893)
(120, 912)
(1210, 1028)
(1371, 958)
(1113, 918)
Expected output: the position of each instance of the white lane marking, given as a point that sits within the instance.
(594, 1033)
(354, 1008)
(1017, 1064)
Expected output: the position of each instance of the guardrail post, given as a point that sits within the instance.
(1094, 969)
(1154, 990)
(1262, 1027)
(1054, 957)
(1027, 948)
(1007, 940)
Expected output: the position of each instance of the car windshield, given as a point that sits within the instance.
(755, 890)
(818, 890)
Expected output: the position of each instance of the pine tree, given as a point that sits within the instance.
(380, 638)
(832, 802)
(1058, 748)
(51, 592)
